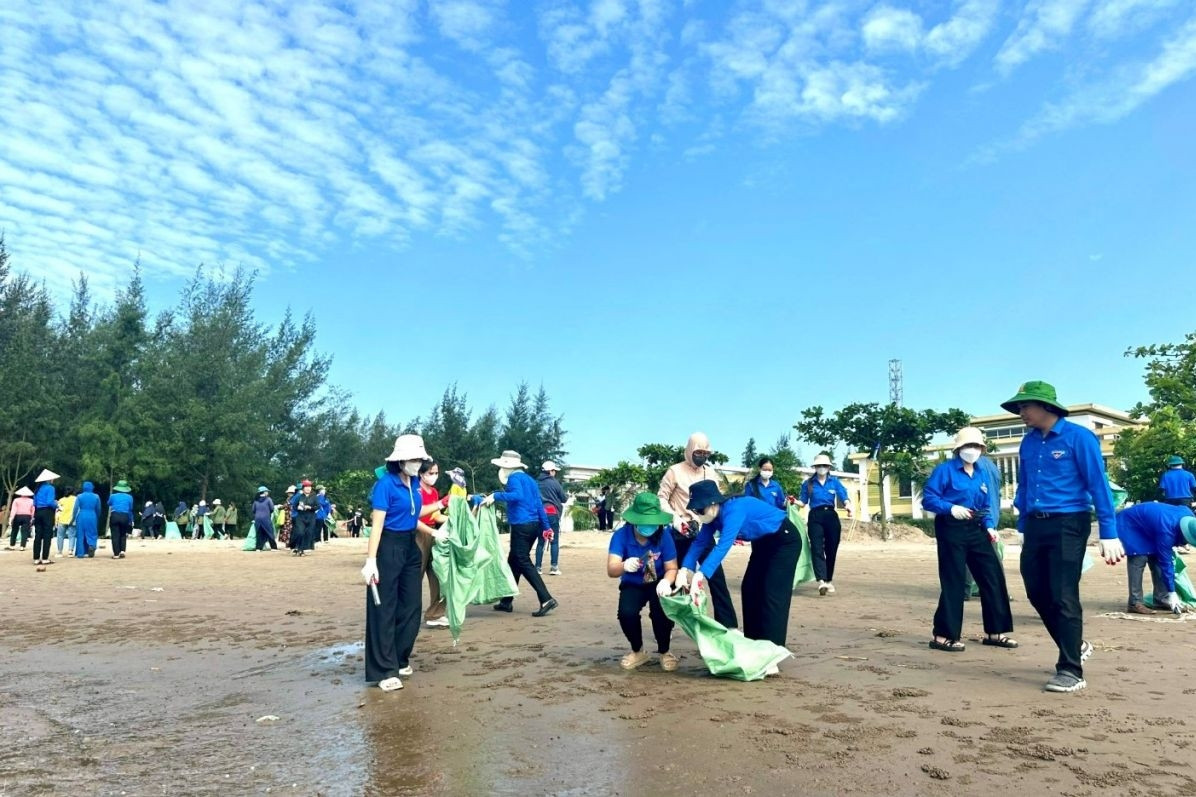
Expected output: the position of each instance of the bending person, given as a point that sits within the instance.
(1149, 532)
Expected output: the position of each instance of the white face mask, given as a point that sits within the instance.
(430, 478)
(504, 474)
(765, 475)
(822, 470)
(969, 455)
(412, 468)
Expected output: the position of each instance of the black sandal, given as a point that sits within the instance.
(1000, 641)
(949, 647)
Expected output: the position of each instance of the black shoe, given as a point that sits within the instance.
(503, 606)
(546, 607)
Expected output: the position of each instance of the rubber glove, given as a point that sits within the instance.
(961, 512)
(696, 586)
(1111, 551)
(664, 588)
(1173, 603)
(992, 535)
(679, 523)
(370, 571)
(488, 500)
(440, 535)
(682, 579)
(547, 535)
(632, 564)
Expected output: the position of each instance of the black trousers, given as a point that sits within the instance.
(119, 526)
(963, 545)
(720, 595)
(321, 530)
(304, 531)
(43, 532)
(1178, 501)
(19, 528)
(523, 537)
(265, 533)
(1052, 556)
(632, 598)
(768, 584)
(605, 520)
(825, 533)
(391, 628)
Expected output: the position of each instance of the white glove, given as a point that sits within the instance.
(370, 571)
(682, 579)
(696, 585)
(1174, 604)
(632, 564)
(440, 535)
(488, 500)
(961, 512)
(1111, 551)
(664, 588)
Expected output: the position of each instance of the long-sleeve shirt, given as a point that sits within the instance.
(87, 507)
(772, 493)
(263, 508)
(1152, 529)
(22, 505)
(1177, 483)
(816, 493)
(551, 493)
(44, 497)
(950, 485)
(742, 518)
(325, 507)
(66, 510)
(121, 502)
(674, 487)
(1063, 471)
(522, 498)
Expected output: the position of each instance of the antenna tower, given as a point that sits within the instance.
(895, 383)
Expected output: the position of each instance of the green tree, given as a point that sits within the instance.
(1170, 378)
(530, 428)
(785, 464)
(750, 455)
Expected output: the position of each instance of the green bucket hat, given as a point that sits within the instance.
(1174, 460)
(1041, 392)
(645, 511)
(122, 486)
(1188, 526)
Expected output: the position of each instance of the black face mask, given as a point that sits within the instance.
(699, 459)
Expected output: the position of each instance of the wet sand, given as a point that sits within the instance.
(149, 675)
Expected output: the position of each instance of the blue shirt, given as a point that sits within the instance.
(772, 493)
(1063, 471)
(950, 485)
(402, 504)
(86, 503)
(325, 507)
(121, 502)
(1152, 529)
(624, 545)
(823, 494)
(1177, 483)
(522, 498)
(44, 497)
(743, 518)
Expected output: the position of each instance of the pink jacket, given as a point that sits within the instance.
(22, 506)
(674, 486)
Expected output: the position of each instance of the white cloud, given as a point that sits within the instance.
(886, 28)
(1113, 18)
(957, 38)
(1043, 26)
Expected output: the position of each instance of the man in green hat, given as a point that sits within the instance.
(120, 517)
(1177, 484)
(1061, 474)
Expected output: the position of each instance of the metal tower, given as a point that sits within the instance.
(895, 386)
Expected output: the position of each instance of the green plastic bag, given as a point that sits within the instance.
(470, 563)
(805, 563)
(726, 652)
(172, 531)
(1183, 584)
(250, 539)
(208, 531)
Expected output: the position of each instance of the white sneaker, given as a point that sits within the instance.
(822, 587)
(1085, 651)
(830, 588)
(439, 622)
(407, 671)
(556, 571)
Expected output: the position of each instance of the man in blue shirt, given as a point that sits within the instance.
(1061, 475)
(525, 513)
(1148, 532)
(1177, 483)
(120, 517)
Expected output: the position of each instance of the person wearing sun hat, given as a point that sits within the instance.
(525, 513)
(263, 519)
(303, 514)
(1148, 532)
(45, 504)
(20, 519)
(819, 492)
(120, 517)
(1061, 474)
(967, 506)
(644, 559)
(1177, 483)
(554, 498)
(767, 589)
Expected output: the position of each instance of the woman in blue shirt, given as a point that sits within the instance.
(394, 566)
(120, 517)
(966, 508)
(86, 520)
(819, 492)
(763, 487)
(644, 559)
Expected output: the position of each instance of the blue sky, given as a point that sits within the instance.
(673, 215)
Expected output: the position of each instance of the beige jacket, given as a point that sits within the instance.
(674, 487)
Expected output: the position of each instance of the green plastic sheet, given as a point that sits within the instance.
(172, 531)
(470, 564)
(805, 563)
(726, 652)
(208, 531)
(1183, 584)
(250, 539)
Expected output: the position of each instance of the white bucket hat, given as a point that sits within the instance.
(969, 436)
(26, 492)
(407, 447)
(46, 475)
(509, 460)
(823, 459)
(549, 465)
(215, 502)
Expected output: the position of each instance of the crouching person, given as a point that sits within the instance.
(644, 559)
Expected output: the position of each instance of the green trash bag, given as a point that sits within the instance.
(470, 564)
(208, 531)
(726, 652)
(250, 539)
(805, 563)
(172, 531)
(1183, 585)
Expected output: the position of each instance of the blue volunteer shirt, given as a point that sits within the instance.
(522, 498)
(325, 507)
(1177, 483)
(823, 494)
(624, 545)
(1152, 529)
(44, 497)
(1063, 471)
(742, 518)
(401, 503)
(950, 485)
(121, 502)
(772, 493)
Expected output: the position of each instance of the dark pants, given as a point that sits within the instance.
(720, 595)
(1052, 556)
(1178, 501)
(119, 526)
(554, 521)
(265, 533)
(768, 584)
(964, 545)
(825, 532)
(19, 528)
(605, 519)
(1134, 565)
(304, 530)
(322, 530)
(523, 536)
(391, 628)
(632, 598)
(159, 527)
(43, 532)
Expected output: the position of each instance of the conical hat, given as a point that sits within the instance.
(46, 475)
(25, 491)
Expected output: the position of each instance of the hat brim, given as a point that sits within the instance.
(122, 489)
(1011, 405)
(657, 518)
(694, 507)
(508, 463)
(46, 475)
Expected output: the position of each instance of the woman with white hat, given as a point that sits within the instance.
(819, 492)
(20, 519)
(966, 504)
(525, 513)
(45, 505)
(394, 566)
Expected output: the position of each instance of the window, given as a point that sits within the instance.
(905, 487)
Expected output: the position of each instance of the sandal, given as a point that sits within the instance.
(668, 662)
(634, 659)
(1000, 641)
(950, 647)
(390, 684)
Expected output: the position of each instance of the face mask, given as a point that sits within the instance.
(969, 455)
(822, 470)
(503, 475)
(645, 531)
(765, 475)
(411, 468)
(430, 478)
(699, 459)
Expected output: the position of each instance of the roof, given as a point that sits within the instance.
(1074, 409)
